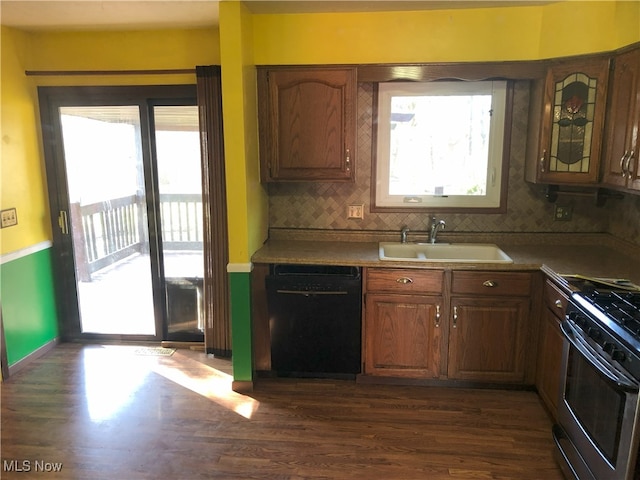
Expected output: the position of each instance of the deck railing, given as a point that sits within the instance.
(108, 231)
(181, 217)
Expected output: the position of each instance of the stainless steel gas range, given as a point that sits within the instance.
(598, 430)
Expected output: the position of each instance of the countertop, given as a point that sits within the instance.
(592, 255)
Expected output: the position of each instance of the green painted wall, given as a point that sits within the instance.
(241, 338)
(28, 304)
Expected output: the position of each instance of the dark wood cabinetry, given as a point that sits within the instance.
(488, 326)
(403, 317)
(550, 342)
(307, 123)
(460, 325)
(622, 155)
(566, 122)
(403, 335)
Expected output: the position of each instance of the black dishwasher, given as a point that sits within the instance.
(315, 320)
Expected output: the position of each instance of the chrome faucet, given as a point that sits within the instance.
(403, 234)
(435, 226)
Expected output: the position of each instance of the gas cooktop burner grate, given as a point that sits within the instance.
(622, 307)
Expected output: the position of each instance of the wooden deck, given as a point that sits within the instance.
(118, 299)
(105, 412)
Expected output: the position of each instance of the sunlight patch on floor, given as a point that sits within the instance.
(110, 382)
(208, 382)
(113, 374)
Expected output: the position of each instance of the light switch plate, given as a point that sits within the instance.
(9, 217)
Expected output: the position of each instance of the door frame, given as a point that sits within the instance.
(50, 99)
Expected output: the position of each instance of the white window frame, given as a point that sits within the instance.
(492, 200)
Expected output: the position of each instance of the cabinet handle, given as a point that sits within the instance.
(437, 316)
(489, 284)
(348, 160)
(404, 280)
(627, 165)
(624, 172)
(558, 303)
(542, 160)
(455, 317)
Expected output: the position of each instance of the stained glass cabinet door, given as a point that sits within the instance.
(571, 122)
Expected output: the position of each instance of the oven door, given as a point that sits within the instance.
(598, 413)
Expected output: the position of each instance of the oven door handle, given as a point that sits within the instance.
(622, 382)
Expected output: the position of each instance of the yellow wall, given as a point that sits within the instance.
(246, 197)
(135, 50)
(456, 35)
(571, 28)
(396, 37)
(22, 183)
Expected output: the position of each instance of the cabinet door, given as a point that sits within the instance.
(307, 123)
(550, 344)
(623, 121)
(570, 125)
(403, 335)
(487, 339)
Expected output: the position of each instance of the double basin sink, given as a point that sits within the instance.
(443, 252)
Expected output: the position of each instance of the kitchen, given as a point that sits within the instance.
(252, 209)
(399, 343)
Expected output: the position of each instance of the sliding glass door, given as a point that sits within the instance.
(107, 219)
(177, 154)
(123, 166)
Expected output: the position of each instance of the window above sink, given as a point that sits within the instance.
(441, 145)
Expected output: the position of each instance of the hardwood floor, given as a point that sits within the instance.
(104, 412)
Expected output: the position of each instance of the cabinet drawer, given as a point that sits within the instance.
(492, 283)
(401, 280)
(555, 298)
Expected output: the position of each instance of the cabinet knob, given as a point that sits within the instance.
(437, 316)
(404, 280)
(489, 284)
(455, 317)
(558, 303)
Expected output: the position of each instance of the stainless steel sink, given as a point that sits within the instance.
(443, 252)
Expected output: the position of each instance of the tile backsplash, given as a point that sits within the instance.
(324, 205)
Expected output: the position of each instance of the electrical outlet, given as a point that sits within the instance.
(9, 217)
(563, 212)
(355, 211)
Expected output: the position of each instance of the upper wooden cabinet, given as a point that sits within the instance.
(566, 122)
(622, 144)
(307, 123)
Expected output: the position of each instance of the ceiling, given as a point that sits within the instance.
(108, 14)
(158, 14)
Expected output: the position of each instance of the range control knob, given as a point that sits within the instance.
(594, 333)
(608, 347)
(619, 356)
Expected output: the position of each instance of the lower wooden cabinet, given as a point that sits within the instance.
(403, 335)
(550, 342)
(487, 339)
(467, 326)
